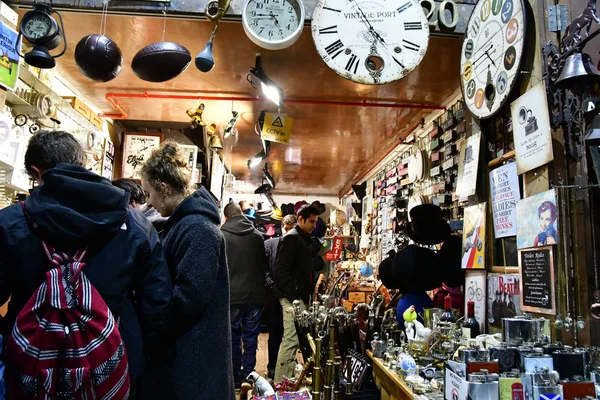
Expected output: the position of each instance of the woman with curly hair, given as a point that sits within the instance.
(198, 363)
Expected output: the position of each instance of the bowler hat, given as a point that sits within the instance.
(412, 270)
(287, 209)
(277, 214)
(298, 205)
(250, 213)
(427, 226)
(360, 190)
(319, 206)
(451, 258)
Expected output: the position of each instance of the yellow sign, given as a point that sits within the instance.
(277, 128)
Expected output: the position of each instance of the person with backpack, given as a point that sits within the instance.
(198, 363)
(87, 279)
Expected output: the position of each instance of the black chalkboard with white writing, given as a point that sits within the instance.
(537, 280)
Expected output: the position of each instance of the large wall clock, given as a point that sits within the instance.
(369, 41)
(491, 54)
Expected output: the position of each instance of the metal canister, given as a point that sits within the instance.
(528, 350)
(471, 355)
(509, 358)
(516, 331)
(511, 386)
(533, 363)
(571, 363)
(547, 391)
(483, 386)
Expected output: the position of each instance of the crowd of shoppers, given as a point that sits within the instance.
(186, 291)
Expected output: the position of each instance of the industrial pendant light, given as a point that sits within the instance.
(43, 32)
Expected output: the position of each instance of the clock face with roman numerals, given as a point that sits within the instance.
(370, 41)
(491, 54)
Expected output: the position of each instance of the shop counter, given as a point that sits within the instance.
(392, 385)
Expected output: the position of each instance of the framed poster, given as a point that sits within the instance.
(537, 280)
(108, 159)
(467, 166)
(474, 237)
(531, 128)
(475, 292)
(503, 299)
(137, 147)
(504, 192)
(537, 220)
(10, 48)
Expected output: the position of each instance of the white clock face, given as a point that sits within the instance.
(273, 24)
(491, 54)
(369, 41)
(37, 27)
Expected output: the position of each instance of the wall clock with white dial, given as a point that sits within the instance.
(370, 41)
(491, 54)
(273, 24)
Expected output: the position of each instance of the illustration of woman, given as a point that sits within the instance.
(547, 217)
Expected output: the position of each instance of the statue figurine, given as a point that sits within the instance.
(572, 35)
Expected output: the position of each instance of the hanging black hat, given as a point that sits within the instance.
(360, 190)
(427, 227)
(412, 270)
(319, 206)
(451, 258)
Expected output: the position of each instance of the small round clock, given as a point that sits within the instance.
(491, 54)
(273, 24)
(37, 26)
(370, 42)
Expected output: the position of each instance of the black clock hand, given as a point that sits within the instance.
(275, 19)
(371, 29)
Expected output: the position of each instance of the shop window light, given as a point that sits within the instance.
(268, 87)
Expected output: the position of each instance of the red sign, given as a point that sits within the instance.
(336, 250)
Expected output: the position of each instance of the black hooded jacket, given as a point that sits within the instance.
(293, 267)
(246, 260)
(74, 209)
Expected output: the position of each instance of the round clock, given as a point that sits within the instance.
(370, 42)
(38, 27)
(273, 24)
(491, 54)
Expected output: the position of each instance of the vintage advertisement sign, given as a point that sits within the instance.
(474, 237)
(475, 292)
(137, 147)
(531, 128)
(277, 128)
(537, 223)
(467, 167)
(537, 280)
(108, 159)
(10, 47)
(504, 191)
(455, 387)
(503, 299)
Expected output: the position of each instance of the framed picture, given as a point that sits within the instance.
(537, 280)
(537, 220)
(10, 46)
(137, 147)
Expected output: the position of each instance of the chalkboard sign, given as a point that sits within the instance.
(537, 280)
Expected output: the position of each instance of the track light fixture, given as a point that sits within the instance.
(268, 176)
(268, 87)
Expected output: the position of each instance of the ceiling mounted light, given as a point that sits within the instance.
(268, 87)
(256, 160)
(268, 176)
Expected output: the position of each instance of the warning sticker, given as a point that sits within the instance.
(277, 128)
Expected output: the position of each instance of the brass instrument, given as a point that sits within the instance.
(316, 392)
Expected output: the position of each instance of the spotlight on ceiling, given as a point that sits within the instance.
(268, 176)
(268, 87)
(254, 161)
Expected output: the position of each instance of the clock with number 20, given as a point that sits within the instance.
(491, 54)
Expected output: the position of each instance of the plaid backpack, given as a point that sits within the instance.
(65, 343)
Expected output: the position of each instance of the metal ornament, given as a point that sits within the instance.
(578, 73)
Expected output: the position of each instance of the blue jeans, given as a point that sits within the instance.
(245, 327)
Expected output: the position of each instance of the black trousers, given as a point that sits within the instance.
(275, 324)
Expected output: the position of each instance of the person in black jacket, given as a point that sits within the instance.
(198, 363)
(273, 308)
(247, 263)
(72, 209)
(293, 270)
(138, 201)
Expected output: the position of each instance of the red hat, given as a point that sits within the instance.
(298, 205)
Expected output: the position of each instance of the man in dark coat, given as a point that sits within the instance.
(72, 209)
(273, 310)
(200, 360)
(247, 263)
(137, 200)
(293, 277)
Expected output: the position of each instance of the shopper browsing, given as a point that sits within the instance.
(198, 365)
(274, 311)
(73, 209)
(293, 270)
(247, 265)
(137, 200)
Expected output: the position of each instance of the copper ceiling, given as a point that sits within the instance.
(337, 144)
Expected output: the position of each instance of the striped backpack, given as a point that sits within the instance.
(65, 343)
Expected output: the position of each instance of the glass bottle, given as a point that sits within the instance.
(470, 325)
(448, 315)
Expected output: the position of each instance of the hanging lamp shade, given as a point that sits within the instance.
(578, 73)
